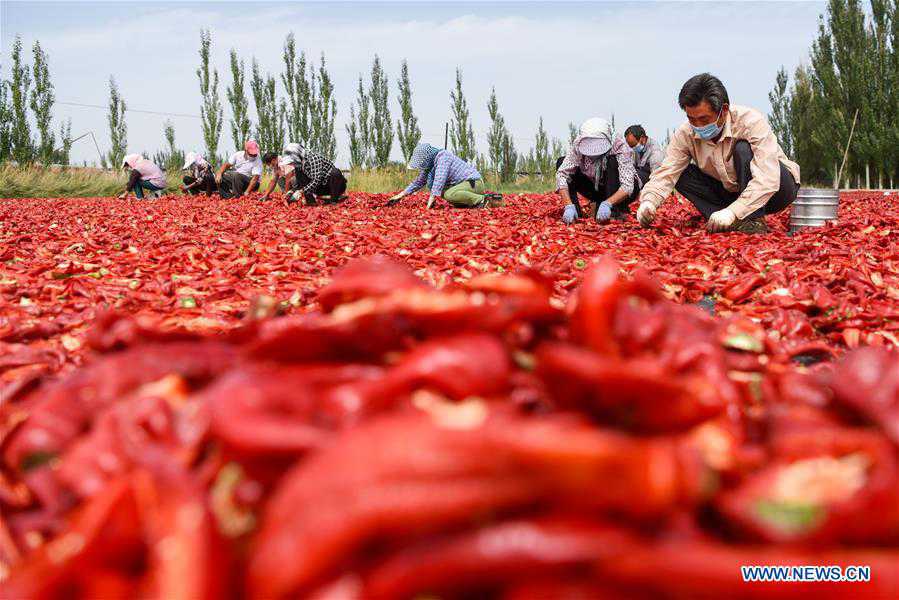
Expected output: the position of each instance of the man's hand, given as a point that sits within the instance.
(395, 198)
(604, 212)
(431, 199)
(569, 214)
(123, 195)
(646, 214)
(721, 220)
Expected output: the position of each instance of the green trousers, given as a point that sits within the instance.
(464, 195)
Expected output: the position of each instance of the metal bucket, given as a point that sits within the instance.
(813, 208)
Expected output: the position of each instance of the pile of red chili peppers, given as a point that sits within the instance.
(211, 399)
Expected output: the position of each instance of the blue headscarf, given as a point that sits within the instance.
(423, 158)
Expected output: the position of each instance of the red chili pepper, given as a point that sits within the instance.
(743, 287)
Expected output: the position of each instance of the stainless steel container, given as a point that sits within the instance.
(813, 208)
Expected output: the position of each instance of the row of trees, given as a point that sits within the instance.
(853, 69)
(302, 108)
(29, 87)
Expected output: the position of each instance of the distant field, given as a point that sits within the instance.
(78, 182)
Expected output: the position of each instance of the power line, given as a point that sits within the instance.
(134, 110)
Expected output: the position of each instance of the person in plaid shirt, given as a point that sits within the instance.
(447, 175)
(313, 175)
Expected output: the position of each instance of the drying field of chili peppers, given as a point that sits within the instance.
(219, 399)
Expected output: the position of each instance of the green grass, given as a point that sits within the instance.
(53, 182)
(78, 182)
(394, 179)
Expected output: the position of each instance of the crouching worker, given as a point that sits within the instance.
(200, 178)
(600, 168)
(145, 176)
(308, 176)
(447, 175)
(240, 174)
(725, 160)
(648, 153)
(282, 173)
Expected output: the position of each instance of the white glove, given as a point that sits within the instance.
(721, 220)
(431, 199)
(569, 214)
(646, 214)
(397, 197)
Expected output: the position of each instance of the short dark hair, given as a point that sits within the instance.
(268, 157)
(635, 130)
(704, 86)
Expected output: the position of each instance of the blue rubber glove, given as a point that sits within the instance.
(569, 215)
(604, 212)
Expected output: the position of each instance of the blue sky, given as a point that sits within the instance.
(562, 61)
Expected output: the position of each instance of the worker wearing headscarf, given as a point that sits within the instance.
(241, 172)
(200, 178)
(145, 176)
(600, 167)
(447, 175)
(310, 176)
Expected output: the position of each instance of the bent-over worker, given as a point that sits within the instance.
(600, 167)
(446, 175)
(200, 178)
(145, 176)
(310, 176)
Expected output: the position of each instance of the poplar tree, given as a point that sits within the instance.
(297, 87)
(5, 122)
(42, 100)
(65, 139)
(381, 124)
(357, 152)
(21, 145)
(211, 108)
(461, 131)
(779, 117)
(323, 112)
(541, 151)
(496, 136)
(359, 129)
(240, 104)
(508, 159)
(118, 129)
(171, 159)
(407, 129)
(269, 114)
